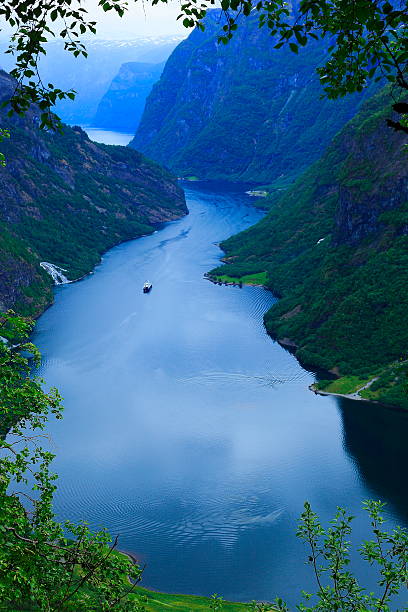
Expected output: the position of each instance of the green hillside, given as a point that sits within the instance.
(335, 249)
(65, 200)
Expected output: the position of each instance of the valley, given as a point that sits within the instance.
(211, 268)
(189, 431)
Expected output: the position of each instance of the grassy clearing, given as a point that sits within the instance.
(159, 602)
(345, 384)
(248, 279)
(388, 386)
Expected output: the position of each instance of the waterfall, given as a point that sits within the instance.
(56, 272)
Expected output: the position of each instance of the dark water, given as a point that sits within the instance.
(193, 435)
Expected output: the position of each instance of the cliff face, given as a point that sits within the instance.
(373, 180)
(122, 106)
(65, 200)
(243, 111)
(335, 248)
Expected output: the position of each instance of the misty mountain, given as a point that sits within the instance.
(92, 76)
(123, 104)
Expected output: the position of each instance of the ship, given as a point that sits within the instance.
(147, 286)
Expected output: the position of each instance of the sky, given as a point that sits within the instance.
(141, 19)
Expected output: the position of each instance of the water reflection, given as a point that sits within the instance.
(187, 430)
(376, 439)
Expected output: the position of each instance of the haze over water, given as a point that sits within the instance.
(192, 434)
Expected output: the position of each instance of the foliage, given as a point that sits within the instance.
(390, 386)
(216, 603)
(329, 556)
(247, 279)
(366, 37)
(344, 385)
(32, 23)
(42, 562)
(157, 602)
(3, 134)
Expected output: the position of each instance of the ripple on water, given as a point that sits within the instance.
(233, 378)
(187, 430)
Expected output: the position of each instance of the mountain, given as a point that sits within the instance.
(91, 76)
(65, 200)
(123, 104)
(335, 249)
(258, 119)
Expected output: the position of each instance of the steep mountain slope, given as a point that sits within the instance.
(65, 200)
(257, 119)
(123, 104)
(335, 248)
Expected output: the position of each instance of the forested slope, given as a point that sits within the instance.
(65, 200)
(335, 248)
(258, 119)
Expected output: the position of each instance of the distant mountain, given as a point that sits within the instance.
(65, 200)
(335, 249)
(91, 76)
(123, 104)
(242, 111)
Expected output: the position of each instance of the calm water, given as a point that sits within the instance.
(108, 137)
(192, 434)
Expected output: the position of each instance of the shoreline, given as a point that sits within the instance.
(156, 600)
(357, 398)
(291, 346)
(131, 556)
(155, 228)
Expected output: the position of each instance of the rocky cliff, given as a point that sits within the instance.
(335, 248)
(258, 118)
(65, 200)
(122, 106)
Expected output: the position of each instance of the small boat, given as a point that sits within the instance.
(147, 286)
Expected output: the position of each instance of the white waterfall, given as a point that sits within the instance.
(56, 272)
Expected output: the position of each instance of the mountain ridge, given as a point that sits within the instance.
(259, 120)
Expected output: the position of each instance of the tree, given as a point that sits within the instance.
(3, 134)
(44, 563)
(329, 556)
(367, 39)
